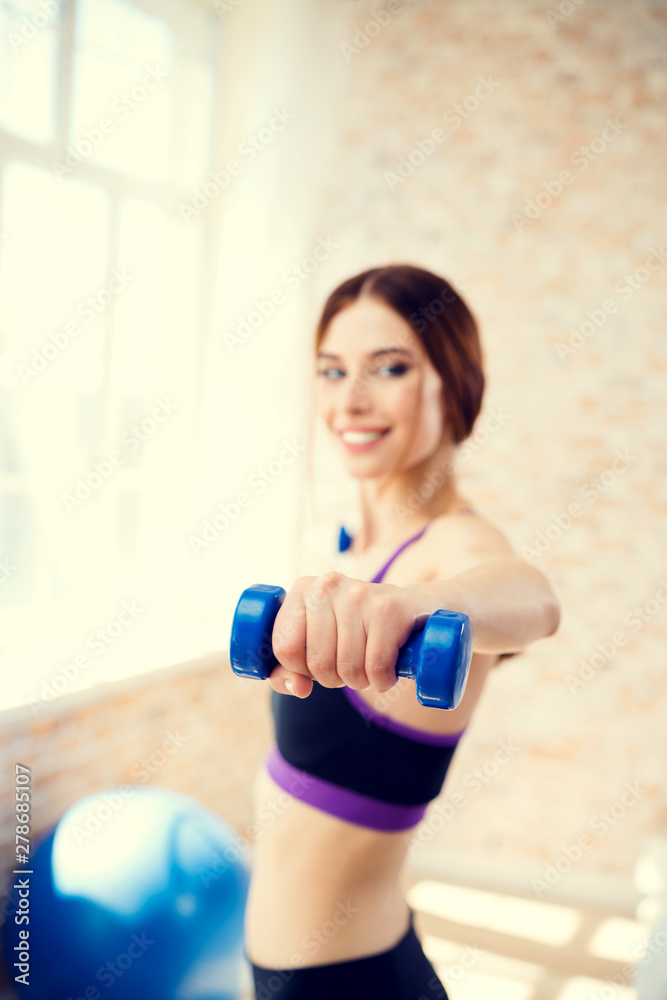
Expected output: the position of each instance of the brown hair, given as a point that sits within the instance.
(439, 318)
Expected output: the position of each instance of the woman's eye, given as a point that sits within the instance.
(370, 374)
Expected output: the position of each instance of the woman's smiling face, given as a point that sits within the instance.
(378, 390)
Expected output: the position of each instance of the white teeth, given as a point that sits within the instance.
(361, 437)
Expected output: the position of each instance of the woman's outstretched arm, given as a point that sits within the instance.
(510, 603)
(338, 630)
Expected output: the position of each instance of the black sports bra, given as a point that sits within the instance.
(339, 755)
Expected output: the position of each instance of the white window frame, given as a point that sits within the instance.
(17, 621)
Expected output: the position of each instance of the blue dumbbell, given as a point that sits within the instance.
(437, 656)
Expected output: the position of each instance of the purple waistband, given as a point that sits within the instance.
(342, 802)
(418, 735)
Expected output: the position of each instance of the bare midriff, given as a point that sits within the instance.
(322, 890)
(325, 890)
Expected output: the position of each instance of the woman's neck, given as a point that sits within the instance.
(407, 503)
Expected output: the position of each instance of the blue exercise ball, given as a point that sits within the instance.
(141, 889)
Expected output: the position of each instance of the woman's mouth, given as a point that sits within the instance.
(362, 440)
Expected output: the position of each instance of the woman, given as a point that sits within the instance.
(357, 759)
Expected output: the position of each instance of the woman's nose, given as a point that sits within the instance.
(356, 393)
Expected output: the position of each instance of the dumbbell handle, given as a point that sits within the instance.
(436, 656)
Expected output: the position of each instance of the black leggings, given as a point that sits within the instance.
(401, 973)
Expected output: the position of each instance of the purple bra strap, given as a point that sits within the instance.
(379, 576)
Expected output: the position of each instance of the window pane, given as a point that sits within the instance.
(132, 411)
(55, 277)
(86, 355)
(28, 65)
(119, 28)
(17, 549)
(121, 101)
(129, 507)
(36, 425)
(193, 111)
(142, 317)
(34, 11)
(10, 419)
(157, 321)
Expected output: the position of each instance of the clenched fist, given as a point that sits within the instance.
(341, 631)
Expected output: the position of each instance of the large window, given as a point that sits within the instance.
(108, 112)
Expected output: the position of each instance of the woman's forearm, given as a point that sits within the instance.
(510, 604)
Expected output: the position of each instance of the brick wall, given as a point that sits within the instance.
(120, 735)
(534, 86)
(529, 282)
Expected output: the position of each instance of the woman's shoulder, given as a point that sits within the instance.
(466, 537)
(472, 523)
